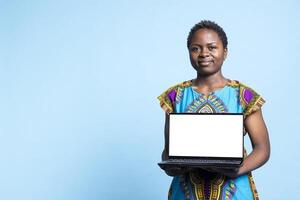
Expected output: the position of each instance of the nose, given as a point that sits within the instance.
(204, 53)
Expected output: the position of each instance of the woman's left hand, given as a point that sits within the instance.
(230, 172)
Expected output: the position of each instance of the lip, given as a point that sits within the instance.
(204, 62)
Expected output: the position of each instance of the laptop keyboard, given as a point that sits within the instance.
(202, 161)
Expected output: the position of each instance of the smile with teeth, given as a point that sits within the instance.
(204, 62)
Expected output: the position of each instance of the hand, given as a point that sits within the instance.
(176, 170)
(229, 172)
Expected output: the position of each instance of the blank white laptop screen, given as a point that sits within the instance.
(206, 135)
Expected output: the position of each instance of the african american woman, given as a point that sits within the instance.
(211, 92)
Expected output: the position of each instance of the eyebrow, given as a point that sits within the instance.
(206, 44)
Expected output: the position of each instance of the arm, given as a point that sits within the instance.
(258, 133)
(165, 152)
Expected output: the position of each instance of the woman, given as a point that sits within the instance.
(211, 92)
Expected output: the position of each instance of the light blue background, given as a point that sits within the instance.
(79, 118)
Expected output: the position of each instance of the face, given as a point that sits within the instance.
(207, 52)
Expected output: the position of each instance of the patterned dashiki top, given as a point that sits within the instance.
(235, 97)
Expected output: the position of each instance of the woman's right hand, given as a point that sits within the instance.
(176, 170)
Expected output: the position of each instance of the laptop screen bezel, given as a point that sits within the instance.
(202, 157)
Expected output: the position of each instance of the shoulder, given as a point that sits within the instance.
(180, 85)
(168, 97)
(250, 100)
(173, 89)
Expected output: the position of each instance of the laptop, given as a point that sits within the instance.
(200, 140)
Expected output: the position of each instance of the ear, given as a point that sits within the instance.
(225, 53)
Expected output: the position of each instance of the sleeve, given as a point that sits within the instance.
(167, 100)
(250, 100)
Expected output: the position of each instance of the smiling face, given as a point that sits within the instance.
(207, 52)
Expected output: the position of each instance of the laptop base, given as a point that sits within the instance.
(224, 164)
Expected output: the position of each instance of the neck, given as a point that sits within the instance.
(211, 80)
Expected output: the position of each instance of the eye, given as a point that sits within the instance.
(195, 49)
(212, 48)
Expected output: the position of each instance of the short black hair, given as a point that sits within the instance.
(207, 24)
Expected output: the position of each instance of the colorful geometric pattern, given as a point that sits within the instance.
(206, 185)
(167, 99)
(212, 104)
(229, 189)
(250, 100)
